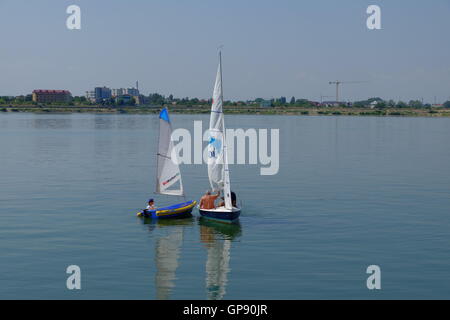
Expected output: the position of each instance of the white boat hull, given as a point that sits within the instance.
(221, 214)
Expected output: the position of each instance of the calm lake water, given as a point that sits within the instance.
(351, 192)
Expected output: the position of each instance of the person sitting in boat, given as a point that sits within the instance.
(233, 200)
(208, 200)
(151, 205)
(222, 202)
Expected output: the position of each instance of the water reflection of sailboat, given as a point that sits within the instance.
(217, 238)
(167, 253)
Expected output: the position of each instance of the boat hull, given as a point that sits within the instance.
(221, 214)
(177, 211)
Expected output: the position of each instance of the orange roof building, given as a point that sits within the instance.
(50, 96)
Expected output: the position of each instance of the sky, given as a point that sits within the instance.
(271, 48)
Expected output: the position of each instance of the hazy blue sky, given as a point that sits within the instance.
(272, 48)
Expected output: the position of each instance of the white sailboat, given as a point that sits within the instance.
(168, 179)
(218, 172)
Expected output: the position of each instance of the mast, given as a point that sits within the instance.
(221, 82)
(217, 148)
(226, 172)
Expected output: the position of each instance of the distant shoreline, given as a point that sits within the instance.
(304, 111)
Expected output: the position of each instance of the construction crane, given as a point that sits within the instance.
(338, 83)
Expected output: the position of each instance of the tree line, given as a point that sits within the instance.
(158, 99)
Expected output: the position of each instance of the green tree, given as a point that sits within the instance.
(302, 102)
(391, 103)
(446, 104)
(366, 103)
(158, 99)
(415, 104)
(381, 105)
(19, 100)
(401, 104)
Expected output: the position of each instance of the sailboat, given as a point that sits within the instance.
(168, 181)
(218, 172)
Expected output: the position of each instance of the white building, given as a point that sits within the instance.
(122, 91)
(118, 92)
(90, 96)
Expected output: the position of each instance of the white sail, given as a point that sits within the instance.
(217, 149)
(168, 179)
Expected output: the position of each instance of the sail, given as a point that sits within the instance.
(217, 149)
(168, 179)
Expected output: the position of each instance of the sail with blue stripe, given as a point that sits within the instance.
(168, 179)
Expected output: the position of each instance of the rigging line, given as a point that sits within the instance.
(164, 156)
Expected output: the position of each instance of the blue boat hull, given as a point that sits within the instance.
(180, 210)
(221, 216)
